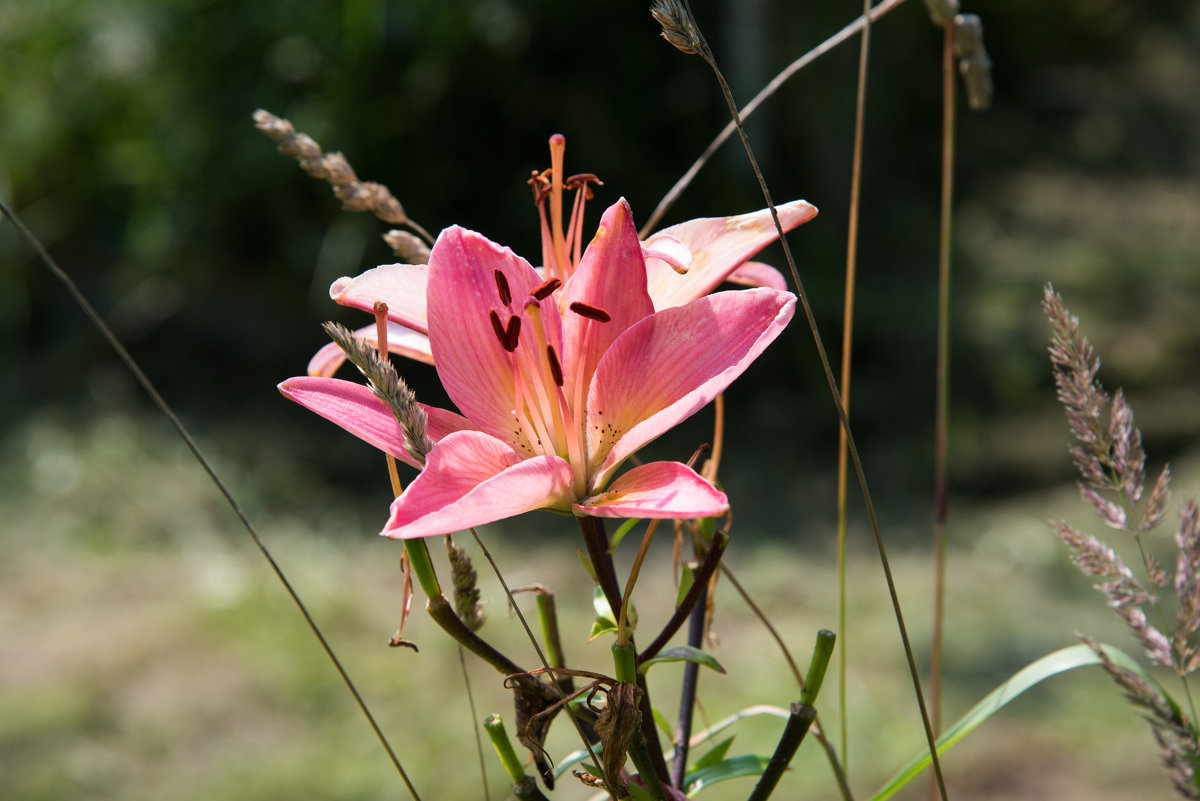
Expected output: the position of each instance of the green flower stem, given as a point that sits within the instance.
(703, 573)
(645, 765)
(822, 651)
(504, 749)
(548, 617)
(797, 726)
(442, 612)
(625, 662)
(418, 557)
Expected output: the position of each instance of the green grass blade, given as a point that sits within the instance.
(1075, 656)
(745, 765)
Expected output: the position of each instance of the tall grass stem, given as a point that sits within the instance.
(860, 108)
(841, 411)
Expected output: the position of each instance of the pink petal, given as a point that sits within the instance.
(668, 366)
(402, 341)
(611, 277)
(719, 245)
(658, 489)
(473, 366)
(667, 248)
(470, 479)
(400, 286)
(755, 273)
(356, 409)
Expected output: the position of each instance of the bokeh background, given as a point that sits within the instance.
(146, 650)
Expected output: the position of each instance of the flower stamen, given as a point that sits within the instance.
(502, 288)
(590, 312)
(546, 288)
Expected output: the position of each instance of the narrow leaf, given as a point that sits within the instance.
(1060, 661)
(714, 755)
(682, 653)
(745, 765)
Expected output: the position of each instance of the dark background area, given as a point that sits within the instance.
(127, 145)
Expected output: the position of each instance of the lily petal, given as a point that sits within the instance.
(719, 245)
(657, 489)
(611, 277)
(667, 248)
(755, 273)
(402, 341)
(658, 373)
(471, 478)
(356, 409)
(476, 372)
(400, 286)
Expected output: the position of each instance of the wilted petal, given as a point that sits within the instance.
(476, 372)
(719, 245)
(400, 286)
(668, 366)
(401, 341)
(471, 478)
(755, 273)
(657, 489)
(356, 409)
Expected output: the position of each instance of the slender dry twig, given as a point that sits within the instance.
(672, 9)
(844, 35)
(860, 113)
(185, 435)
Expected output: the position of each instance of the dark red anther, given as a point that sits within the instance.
(546, 288)
(590, 312)
(512, 334)
(581, 181)
(555, 366)
(502, 288)
(498, 327)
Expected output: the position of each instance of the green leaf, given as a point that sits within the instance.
(663, 724)
(686, 579)
(605, 620)
(682, 653)
(745, 765)
(639, 793)
(714, 755)
(1060, 661)
(621, 531)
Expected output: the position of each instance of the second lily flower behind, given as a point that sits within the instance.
(558, 384)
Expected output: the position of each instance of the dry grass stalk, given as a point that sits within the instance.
(334, 169)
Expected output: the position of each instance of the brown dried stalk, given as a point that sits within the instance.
(334, 169)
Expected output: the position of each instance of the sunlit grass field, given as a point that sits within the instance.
(148, 652)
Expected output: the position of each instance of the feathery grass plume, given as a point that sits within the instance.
(973, 63)
(1111, 460)
(466, 589)
(678, 27)
(334, 169)
(409, 248)
(1177, 743)
(388, 387)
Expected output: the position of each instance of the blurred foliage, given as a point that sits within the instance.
(127, 145)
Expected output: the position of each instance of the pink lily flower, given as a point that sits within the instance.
(559, 382)
(683, 262)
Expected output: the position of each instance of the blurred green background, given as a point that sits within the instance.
(147, 652)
